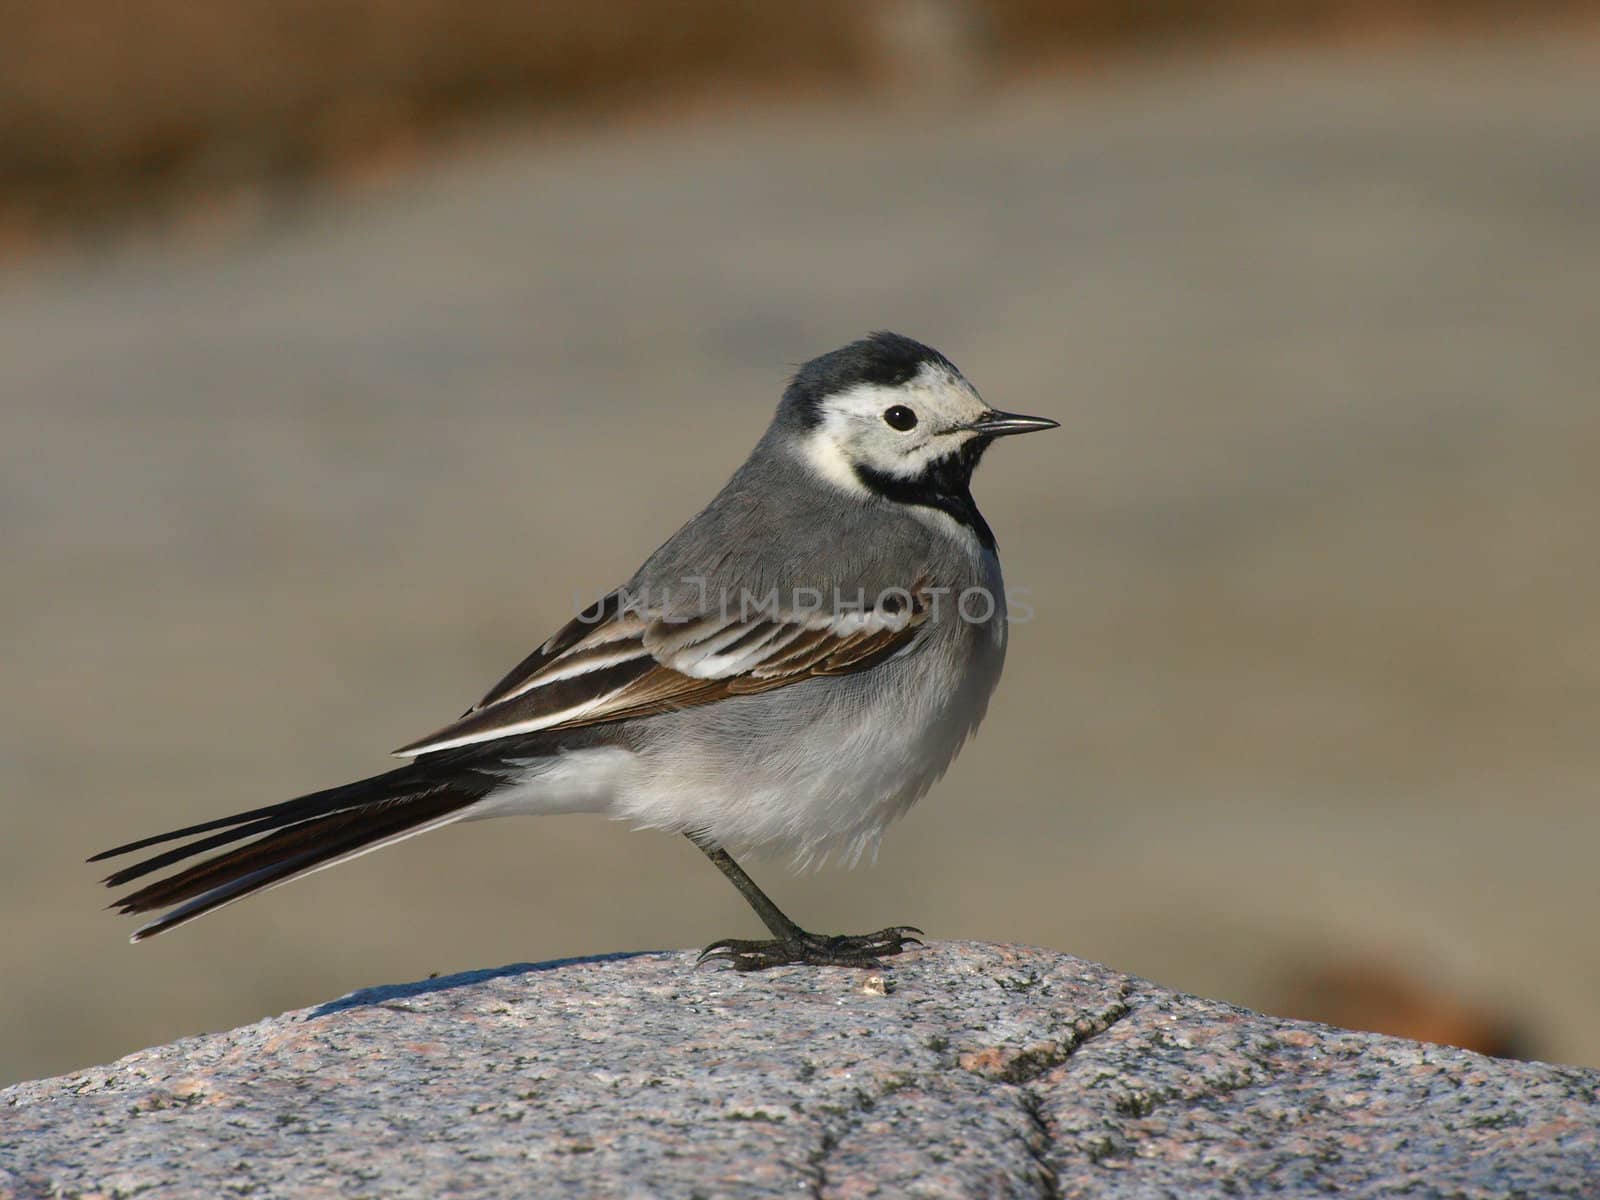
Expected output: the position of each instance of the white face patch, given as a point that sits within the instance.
(853, 431)
(824, 455)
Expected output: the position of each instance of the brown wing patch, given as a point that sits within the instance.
(612, 684)
(665, 690)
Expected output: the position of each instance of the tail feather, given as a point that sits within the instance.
(300, 836)
(155, 863)
(336, 849)
(314, 804)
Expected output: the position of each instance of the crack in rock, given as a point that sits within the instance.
(834, 1131)
(1031, 1064)
(1027, 1066)
(1038, 1143)
(815, 1169)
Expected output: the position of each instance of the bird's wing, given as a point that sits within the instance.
(613, 662)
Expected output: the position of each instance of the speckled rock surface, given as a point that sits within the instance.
(979, 1070)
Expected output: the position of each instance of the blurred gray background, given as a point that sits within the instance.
(1315, 670)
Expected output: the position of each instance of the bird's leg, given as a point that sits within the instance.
(790, 943)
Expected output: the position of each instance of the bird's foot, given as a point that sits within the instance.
(813, 949)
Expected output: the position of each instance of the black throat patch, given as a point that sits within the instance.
(946, 484)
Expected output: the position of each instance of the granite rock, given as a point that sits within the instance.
(964, 1069)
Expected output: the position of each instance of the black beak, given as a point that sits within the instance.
(1003, 424)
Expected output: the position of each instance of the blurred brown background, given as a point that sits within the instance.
(346, 348)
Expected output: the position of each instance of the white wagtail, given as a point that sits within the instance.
(791, 670)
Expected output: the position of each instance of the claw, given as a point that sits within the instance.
(722, 949)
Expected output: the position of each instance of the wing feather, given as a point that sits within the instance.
(612, 663)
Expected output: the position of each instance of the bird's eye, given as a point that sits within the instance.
(900, 417)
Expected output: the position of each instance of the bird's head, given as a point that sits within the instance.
(892, 416)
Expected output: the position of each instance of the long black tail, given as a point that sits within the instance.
(299, 836)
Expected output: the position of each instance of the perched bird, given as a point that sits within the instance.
(791, 670)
